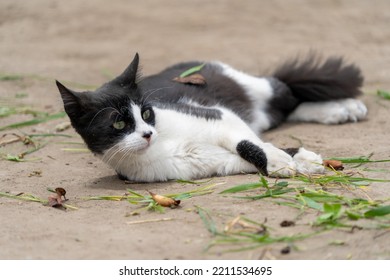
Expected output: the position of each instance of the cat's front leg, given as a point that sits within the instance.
(268, 159)
(275, 162)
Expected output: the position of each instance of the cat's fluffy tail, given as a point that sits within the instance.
(316, 79)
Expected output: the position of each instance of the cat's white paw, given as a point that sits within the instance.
(346, 110)
(330, 112)
(308, 162)
(279, 163)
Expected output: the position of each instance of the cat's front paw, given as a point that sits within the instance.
(308, 162)
(279, 163)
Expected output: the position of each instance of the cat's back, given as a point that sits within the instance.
(218, 88)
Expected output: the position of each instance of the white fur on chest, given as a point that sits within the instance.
(186, 147)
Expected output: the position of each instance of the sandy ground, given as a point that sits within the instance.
(89, 41)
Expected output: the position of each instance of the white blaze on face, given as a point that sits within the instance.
(144, 133)
(135, 141)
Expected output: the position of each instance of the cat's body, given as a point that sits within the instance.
(159, 129)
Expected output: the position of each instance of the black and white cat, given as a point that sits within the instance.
(157, 129)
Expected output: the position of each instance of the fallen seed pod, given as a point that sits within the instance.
(334, 164)
(164, 201)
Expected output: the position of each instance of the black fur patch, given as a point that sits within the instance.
(316, 79)
(200, 112)
(281, 104)
(253, 154)
(219, 90)
(291, 151)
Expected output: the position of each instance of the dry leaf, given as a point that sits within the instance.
(164, 201)
(285, 250)
(24, 139)
(194, 79)
(287, 223)
(61, 192)
(243, 226)
(36, 173)
(55, 200)
(334, 164)
(231, 224)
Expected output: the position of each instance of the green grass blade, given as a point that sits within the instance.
(10, 77)
(34, 121)
(25, 197)
(76, 150)
(378, 211)
(307, 201)
(196, 192)
(269, 193)
(7, 111)
(359, 160)
(383, 94)
(50, 135)
(322, 197)
(207, 220)
(107, 197)
(264, 182)
(191, 71)
(135, 193)
(243, 187)
(193, 182)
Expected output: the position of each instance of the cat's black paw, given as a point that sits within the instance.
(253, 154)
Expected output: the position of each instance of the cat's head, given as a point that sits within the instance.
(112, 119)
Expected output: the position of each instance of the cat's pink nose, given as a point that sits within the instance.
(147, 135)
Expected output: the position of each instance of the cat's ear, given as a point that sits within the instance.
(71, 99)
(129, 77)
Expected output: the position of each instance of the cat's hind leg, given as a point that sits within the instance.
(330, 112)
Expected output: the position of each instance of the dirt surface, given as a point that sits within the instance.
(87, 42)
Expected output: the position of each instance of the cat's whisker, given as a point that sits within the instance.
(100, 111)
(127, 154)
(110, 154)
(119, 150)
(150, 92)
(113, 112)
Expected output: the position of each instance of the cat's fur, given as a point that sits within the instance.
(156, 129)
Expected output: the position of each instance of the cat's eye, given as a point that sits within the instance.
(119, 125)
(146, 114)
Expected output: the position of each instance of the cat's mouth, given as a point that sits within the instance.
(120, 153)
(144, 146)
(144, 149)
